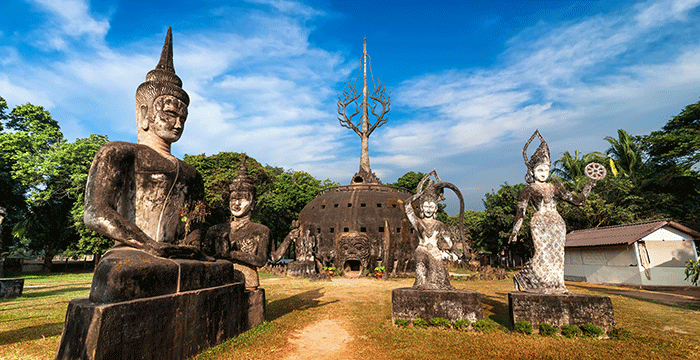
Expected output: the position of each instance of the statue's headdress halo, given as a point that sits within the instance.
(162, 80)
(541, 156)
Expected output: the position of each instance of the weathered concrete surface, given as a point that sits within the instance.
(561, 309)
(175, 326)
(126, 274)
(11, 288)
(410, 303)
(255, 311)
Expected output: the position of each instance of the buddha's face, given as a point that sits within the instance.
(541, 172)
(428, 208)
(241, 203)
(169, 118)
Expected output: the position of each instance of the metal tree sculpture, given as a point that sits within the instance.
(363, 129)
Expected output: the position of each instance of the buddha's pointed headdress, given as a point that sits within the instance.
(162, 80)
(243, 182)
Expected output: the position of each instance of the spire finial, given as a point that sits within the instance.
(166, 56)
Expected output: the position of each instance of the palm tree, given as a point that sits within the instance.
(627, 153)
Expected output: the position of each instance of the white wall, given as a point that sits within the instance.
(668, 249)
(611, 264)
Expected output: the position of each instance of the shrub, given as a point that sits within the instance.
(401, 322)
(571, 331)
(523, 327)
(462, 324)
(484, 325)
(590, 330)
(420, 323)
(548, 330)
(620, 333)
(440, 322)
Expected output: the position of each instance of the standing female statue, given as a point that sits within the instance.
(544, 272)
(432, 233)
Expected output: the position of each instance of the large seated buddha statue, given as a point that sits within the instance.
(136, 194)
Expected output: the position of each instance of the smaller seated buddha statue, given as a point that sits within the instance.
(241, 241)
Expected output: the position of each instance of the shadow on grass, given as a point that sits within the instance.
(33, 294)
(302, 301)
(499, 305)
(654, 298)
(31, 333)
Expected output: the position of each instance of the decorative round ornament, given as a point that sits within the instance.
(595, 171)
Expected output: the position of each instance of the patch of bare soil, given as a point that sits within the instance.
(673, 297)
(325, 339)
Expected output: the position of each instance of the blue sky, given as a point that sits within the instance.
(469, 82)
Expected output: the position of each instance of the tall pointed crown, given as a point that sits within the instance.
(162, 80)
(541, 156)
(243, 182)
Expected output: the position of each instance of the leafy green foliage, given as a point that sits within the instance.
(547, 330)
(462, 324)
(692, 271)
(571, 169)
(484, 325)
(620, 334)
(401, 322)
(49, 173)
(495, 227)
(523, 327)
(590, 330)
(678, 142)
(627, 153)
(420, 323)
(440, 322)
(571, 331)
(409, 181)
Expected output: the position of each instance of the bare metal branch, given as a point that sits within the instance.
(350, 96)
(378, 96)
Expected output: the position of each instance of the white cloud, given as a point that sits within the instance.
(71, 19)
(585, 72)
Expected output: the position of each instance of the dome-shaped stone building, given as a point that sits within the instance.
(360, 226)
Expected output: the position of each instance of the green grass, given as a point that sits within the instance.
(30, 326)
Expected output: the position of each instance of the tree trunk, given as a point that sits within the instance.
(95, 260)
(48, 261)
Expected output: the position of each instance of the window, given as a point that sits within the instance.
(363, 205)
(379, 204)
(393, 205)
(398, 230)
(335, 205)
(381, 229)
(349, 205)
(363, 229)
(323, 206)
(332, 230)
(318, 230)
(346, 229)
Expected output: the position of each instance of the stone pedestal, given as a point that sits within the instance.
(174, 326)
(305, 269)
(126, 273)
(410, 304)
(255, 310)
(11, 288)
(558, 310)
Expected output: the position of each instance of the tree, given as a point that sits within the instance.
(52, 172)
(495, 227)
(678, 142)
(408, 181)
(351, 96)
(627, 154)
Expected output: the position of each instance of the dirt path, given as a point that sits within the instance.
(325, 339)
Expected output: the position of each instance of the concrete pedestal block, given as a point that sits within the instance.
(255, 313)
(167, 327)
(558, 310)
(306, 269)
(410, 304)
(11, 288)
